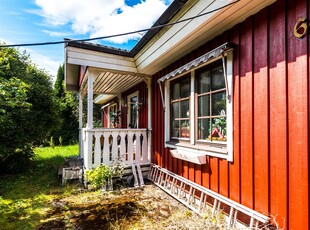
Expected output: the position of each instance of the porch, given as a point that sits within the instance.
(110, 80)
(107, 145)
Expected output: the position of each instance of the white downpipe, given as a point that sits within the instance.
(149, 114)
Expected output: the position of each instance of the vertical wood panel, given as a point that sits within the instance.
(297, 119)
(278, 112)
(191, 171)
(198, 174)
(246, 104)
(234, 168)
(223, 164)
(206, 174)
(261, 113)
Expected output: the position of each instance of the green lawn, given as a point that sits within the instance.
(26, 198)
(36, 200)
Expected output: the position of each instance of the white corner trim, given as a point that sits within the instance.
(229, 106)
(167, 111)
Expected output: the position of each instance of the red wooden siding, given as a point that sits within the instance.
(270, 170)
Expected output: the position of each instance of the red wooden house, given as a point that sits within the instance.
(221, 100)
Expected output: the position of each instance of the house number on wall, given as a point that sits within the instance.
(301, 27)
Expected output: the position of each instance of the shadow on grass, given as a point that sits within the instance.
(40, 178)
(90, 215)
(25, 197)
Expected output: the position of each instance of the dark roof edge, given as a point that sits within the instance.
(169, 13)
(94, 47)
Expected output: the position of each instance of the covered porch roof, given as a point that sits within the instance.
(112, 74)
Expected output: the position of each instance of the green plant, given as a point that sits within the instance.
(60, 141)
(220, 122)
(117, 168)
(51, 142)
(98, 176)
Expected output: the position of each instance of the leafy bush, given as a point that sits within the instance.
(67, 132)
(98, 176)
(28, 109)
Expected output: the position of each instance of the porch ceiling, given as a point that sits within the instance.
(109, 84)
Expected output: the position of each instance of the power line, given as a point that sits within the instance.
(121, 34)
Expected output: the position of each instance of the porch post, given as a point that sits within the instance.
(89, 134)
(81, 147)
(90, 101)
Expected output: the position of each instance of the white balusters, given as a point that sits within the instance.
(122, 151)
(110, 144)
(106, 149)
(97, 150)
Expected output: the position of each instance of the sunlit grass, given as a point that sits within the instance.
(25, 198)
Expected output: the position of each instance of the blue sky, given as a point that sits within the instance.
(31, 21)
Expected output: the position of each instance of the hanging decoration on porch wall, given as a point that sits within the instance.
(301, 28)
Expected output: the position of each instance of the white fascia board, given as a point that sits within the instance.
(182, 38)
(98, 59)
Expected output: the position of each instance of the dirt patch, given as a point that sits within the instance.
(147, 208)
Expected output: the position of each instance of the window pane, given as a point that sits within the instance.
(203, 129)
(219, 129)
(185, 87)
(204, 83)
(219, 103)
(175, 110)
(204, 106)
(175, 128)
(185, 129)
(218, 80)
(133, 112)
(185, 109)
(175, 87)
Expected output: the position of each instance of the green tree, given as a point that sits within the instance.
(28, 109)
(68, 131)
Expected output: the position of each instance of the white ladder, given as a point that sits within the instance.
(201, 199)
(137, 178)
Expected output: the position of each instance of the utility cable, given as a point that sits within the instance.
(121, 34)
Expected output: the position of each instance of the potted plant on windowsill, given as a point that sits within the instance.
(185, 129)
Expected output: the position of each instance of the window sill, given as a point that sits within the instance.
(197, 153)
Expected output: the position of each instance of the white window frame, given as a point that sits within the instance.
(190, 149)
(109, 108)
(135, 94)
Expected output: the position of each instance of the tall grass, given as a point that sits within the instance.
(24, 198)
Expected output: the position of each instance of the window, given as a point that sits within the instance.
(113, 116)
(180, 93)
(198, 116)
(211, 99)
(133, 116)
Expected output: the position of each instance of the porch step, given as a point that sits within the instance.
(204, 201)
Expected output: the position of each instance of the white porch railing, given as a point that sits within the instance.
(105, 145)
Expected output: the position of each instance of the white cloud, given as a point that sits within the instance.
(102, 17)
(57, 34)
